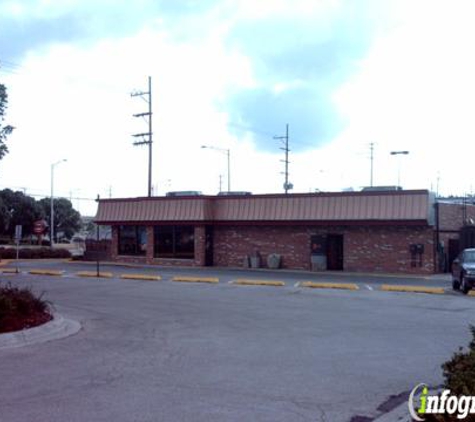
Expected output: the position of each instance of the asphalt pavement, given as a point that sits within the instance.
(168, 351)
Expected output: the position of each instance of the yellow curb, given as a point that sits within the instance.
(93, 274)
(196, 279)
(9, 270)
(471, 293)
(413, 289)
(245, 282)
(325, 285)
(46, 272)
(141, 277)
(4, 262)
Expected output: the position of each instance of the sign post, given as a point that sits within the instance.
(18, 230)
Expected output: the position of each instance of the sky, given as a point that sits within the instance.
(231, 74)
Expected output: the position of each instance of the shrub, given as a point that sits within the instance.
(34, 253)
(459, 374)
(20, 308)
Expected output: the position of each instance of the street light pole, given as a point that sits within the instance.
(51, 231)
(227, 151)
(399, 153)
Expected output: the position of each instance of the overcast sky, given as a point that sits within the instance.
(231, 74)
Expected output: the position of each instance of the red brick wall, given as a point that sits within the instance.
(383, 249)
(451, 216)
(379, 249)
(386, 249)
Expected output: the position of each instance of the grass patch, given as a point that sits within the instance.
(20, 309)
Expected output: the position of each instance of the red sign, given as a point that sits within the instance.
(39, 227)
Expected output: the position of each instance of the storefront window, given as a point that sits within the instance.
(174, 242)
(132, 240)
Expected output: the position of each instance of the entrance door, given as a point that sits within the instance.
(454, 248)
(209, 246)
(335, 252)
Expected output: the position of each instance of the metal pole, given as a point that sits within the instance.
(372, 159)
(51, 230)
(286, 158)
(229, 170)
(150, 136)
(97, 244)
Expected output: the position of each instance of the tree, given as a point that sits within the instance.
(67, 220)
(4, 130)
(16, 208)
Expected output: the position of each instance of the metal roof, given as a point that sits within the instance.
(415, 206)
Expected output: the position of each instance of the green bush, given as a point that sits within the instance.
(20, 308)
(459, 374)
(34, 253)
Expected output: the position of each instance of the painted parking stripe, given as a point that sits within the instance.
(247, 282)
(55, 273)
(187, 279)
(327, 285)
(146, 277)
(413, 289)
(94, 274)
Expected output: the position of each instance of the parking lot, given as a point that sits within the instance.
(169, 351)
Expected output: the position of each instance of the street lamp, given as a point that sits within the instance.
(227, 151)
(51, 230)
(399, 153)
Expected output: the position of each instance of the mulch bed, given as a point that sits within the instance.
(17, 323)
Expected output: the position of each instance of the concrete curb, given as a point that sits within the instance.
(326, 285)
(93, 274)
(56, 329)
(187, 279)
(47, 272)
(399, 414)
(264, 270)
(140, 277)
(413, 289)
(9, 271)
(247, 282)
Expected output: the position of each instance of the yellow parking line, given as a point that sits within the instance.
(246, 282)
(413, 289)
(471, 293)
(196, 279)
(94, 274)
(46, 272)
(326, 285)
(141, 277)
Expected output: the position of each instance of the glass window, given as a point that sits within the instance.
(174, 242)
(132, 240)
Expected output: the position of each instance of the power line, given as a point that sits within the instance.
(146, 138)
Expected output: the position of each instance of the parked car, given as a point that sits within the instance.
(463, 271)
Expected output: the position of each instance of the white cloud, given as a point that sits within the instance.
(414, 90)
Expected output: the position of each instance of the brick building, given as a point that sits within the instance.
(451, 215)
(395, 231)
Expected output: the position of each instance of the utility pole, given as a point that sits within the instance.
(146, 137)
(371, 149)
(285, 148)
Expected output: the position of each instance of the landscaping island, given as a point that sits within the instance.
(21, 309)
